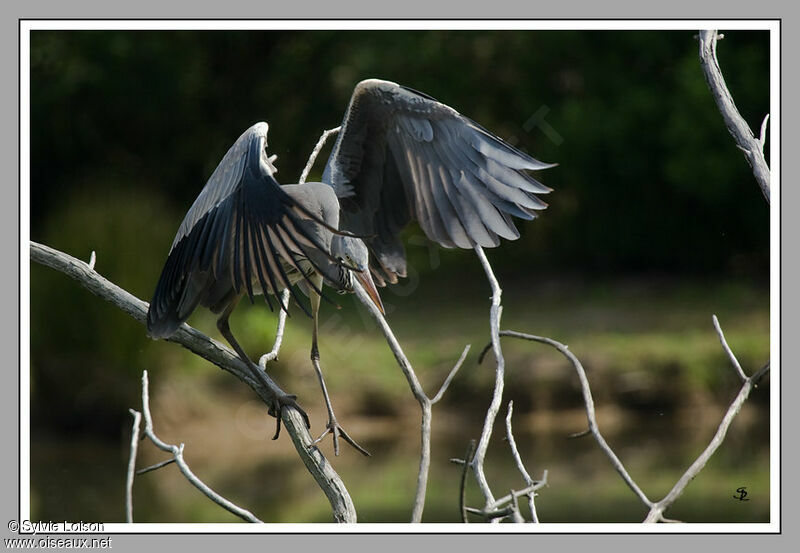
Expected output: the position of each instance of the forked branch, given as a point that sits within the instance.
(424, 401)
(205, 347)
(177, 456)
(655, 509)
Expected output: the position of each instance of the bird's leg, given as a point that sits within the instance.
(280, 399)
(333, 427)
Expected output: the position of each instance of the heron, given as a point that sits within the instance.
(400, 155)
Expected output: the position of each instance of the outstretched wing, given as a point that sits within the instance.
(401, 155)
(242, 230)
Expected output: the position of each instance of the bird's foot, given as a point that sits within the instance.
(276, 410)
(336, 430)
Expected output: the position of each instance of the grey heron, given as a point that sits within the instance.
(399, 155)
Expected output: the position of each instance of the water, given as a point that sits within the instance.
(84, 479)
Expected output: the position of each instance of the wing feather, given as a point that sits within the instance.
(401, 155)
(223, 248)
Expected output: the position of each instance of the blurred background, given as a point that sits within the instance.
(655, 223)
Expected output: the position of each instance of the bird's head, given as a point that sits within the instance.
(354, 256)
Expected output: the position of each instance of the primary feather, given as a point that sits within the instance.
(401, 155)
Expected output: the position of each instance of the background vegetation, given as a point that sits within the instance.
(655, 222)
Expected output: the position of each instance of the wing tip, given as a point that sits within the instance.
(162, 327)
(540, 165)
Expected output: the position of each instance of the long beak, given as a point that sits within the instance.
(366, 281)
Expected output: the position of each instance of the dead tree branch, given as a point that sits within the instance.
(137, 419)
(752, 147)
(276, 347)
(656, 513)
(424, 401)
(491, 510)
(177, 455)
(589, 404)
(495, 314)
(521, 466)
(313, 157)
(727, 348)
(656, 509)
(211, 350)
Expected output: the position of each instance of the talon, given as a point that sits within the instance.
(277, 428)
(276, 410)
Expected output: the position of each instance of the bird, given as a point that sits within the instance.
(400, 155)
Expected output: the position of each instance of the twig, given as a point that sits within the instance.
(137, 418)
(513, 445)
(516, 515)
(497, 396)
(424, 401)
(157, 466)
(492, 515)
(518, 460)
(509, 498)
(728, 351)
(762, 135)
(462, 495)
(752, 147)
(205, 347)
(657, 510)
(273, 355)
(315, 153)
(589, 404)
(450, 376)
(177, 454)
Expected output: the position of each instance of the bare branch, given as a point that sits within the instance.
(518, 460)
(424, 401)
(92, 260)
(205, 347)
(751, 146)
(762, 135)
(177, 454)
(273, 355)
(731, 356)
(509, 498)
(157, 466)
(589, 404)
(508, 505)
(450, 376)
(657, 510)
(515, 514)
(513, 444)
(137, 418)
(419, 395)
(495, 314)
(492, 515)
(462, 496)
(313, 157)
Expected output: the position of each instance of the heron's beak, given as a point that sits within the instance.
(366, 281)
